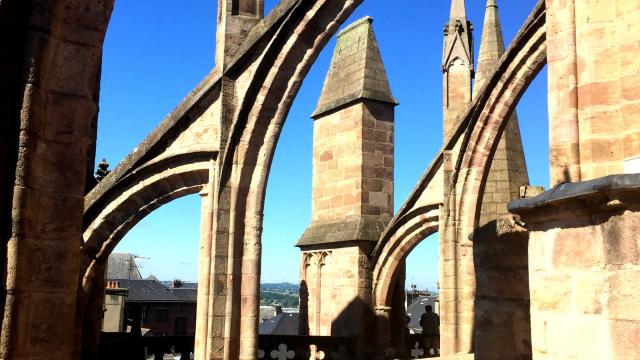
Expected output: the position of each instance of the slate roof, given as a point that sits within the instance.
(281, 324)
(155, 291)
(416, 309)
(122, 266)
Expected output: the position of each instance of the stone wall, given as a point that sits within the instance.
(584, 264)
(338, 290)
(353, 163)
(593, 86)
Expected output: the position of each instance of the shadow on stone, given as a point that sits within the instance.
(502, 316)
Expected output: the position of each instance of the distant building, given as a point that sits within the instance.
(283, 323)
(165, 311)
(122, 266)
(114, 303)
(160, 308)
(414, 293)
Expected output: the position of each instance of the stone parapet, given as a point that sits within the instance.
(584, 264)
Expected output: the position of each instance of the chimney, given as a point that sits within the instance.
(176, 283)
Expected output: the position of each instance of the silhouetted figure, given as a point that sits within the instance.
(430, 323)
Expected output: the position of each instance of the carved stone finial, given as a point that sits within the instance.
(102, 170)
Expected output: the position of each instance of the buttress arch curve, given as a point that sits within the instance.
(486, 119)
(475, 140)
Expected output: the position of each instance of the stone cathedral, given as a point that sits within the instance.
(524, 273)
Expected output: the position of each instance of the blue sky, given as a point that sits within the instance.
(157, 51)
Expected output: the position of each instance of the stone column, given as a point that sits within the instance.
(235, 19)
(383, 324)
(398, 323)
(204, 276)
(502, 322)
(593, 85)
(61, 66)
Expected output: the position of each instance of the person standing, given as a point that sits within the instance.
(430, 323)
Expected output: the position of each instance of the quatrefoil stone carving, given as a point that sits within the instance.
(282, 353)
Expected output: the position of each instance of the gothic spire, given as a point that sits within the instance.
(491, 46)
(508, 168)
(458, 38)
(457, 67)
(356, 70)
(458, 10)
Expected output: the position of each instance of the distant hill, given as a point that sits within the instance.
(280, 286)
(284, 294)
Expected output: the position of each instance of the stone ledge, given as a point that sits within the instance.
(349, 229)
(504, 226)
(348, 100)
(599, 190)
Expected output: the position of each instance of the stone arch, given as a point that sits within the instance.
(477, 138)
(419, 224)
(245, 163)
(417, 219)
(487, 117)
(265, 76)
(463, 177)
(121, 205)
(136, 195)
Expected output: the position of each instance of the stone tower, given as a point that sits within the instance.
(457, 67)
(508, 169)
(352, 191)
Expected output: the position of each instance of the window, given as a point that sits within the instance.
(181, 326)
(162, 314)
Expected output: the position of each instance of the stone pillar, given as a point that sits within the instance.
(10, 97)
(584, 266)
(593, 83)
(233, 263)
(383, 324)
(352, 192)
(502, 322)
(204, 276)
(458, 72)
(398, 323)
(61, 61)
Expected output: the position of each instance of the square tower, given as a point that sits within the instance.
(352, 196)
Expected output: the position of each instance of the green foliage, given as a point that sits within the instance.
(284, 294)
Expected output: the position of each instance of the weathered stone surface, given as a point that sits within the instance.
(502, 295)
(584, 280)
(356, 71)
(583, 255)
(508, 170)
(356, 229)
